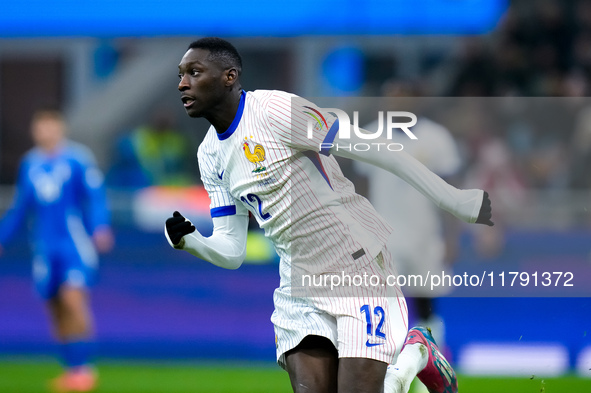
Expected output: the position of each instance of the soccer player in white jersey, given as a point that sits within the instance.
(257, 157)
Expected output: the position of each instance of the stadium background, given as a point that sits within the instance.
(110, 66)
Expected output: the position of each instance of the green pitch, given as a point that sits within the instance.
(28, 376)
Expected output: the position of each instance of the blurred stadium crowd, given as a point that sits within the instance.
(535, 51)
(542, 51)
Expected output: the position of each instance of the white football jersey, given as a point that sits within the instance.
(267, 164)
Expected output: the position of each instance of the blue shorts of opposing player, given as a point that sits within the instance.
(63, 263)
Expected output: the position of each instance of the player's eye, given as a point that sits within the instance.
(194, 72)
(180, 75)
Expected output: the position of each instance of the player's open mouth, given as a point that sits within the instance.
(187, 101)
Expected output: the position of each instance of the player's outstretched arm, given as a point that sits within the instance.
(472, 206)
(226, 247)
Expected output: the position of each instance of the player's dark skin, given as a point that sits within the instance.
(210, 90)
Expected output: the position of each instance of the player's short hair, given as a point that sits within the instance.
(220, 51)
(48, 112)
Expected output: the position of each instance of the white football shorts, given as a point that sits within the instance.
(362, 321)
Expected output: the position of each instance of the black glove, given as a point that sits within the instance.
(485, 214)
(177, 227)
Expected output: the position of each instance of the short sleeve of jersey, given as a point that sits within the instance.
(222, 203)
(300, 124)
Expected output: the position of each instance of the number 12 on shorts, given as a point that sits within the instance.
(381, 314)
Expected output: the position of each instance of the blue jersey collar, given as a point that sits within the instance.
(228, 133)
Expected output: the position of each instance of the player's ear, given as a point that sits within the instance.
(231, 76)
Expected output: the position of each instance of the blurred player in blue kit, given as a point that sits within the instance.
(61, 189)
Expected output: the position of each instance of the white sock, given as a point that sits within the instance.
(411, 361)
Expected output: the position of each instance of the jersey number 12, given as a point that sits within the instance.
(259, 205)
(379, 312)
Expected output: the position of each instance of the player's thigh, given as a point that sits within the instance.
(47, 275)
(313, 365)
(79, 267)
(295, 319)
(359, 375)
(77, 276)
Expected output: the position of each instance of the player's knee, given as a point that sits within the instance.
(312, 382)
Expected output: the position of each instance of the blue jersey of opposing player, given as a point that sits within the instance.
(62, 193)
